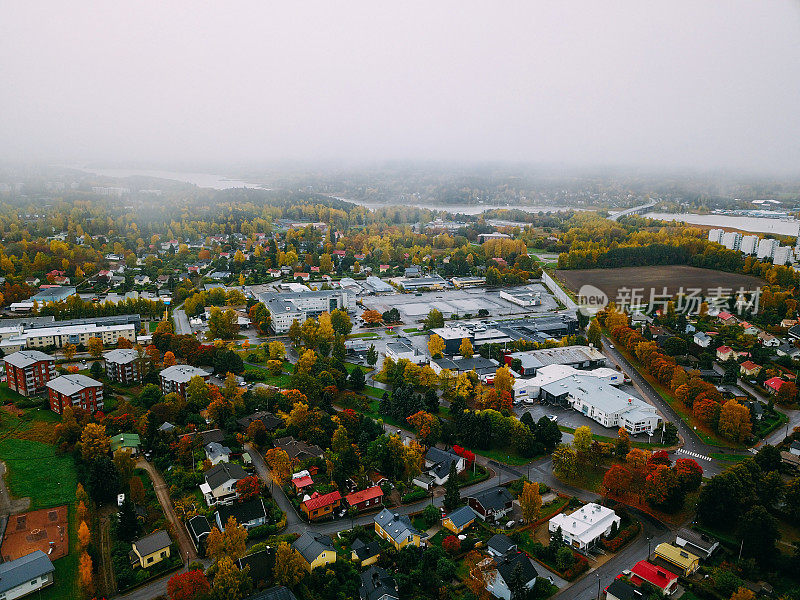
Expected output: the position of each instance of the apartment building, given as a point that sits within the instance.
(28, 371)
(76, 391)
(124, 365)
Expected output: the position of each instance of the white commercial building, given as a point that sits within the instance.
(522, 297)
(603, 403)
(402, 349)
(732, 240)
(299, 306)
(528, 389)
(584, 527)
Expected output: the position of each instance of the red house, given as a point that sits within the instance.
(364, 499)
(664, 580)
(75, 390)
(773, 385)
(319, 506)
(28, 371)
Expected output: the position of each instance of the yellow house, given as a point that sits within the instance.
(397, 529)
(686, 561)
(365, 554)
(459, 520)
(151, 549)
(316, 549)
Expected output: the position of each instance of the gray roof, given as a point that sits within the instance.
(441, 459)
(17, 572)
(26, 358)
(72, 384)
(198, 526)
(310, 545)
(181, 373)
(507, 564)
(121, 356)
(376, 583)
(398, 526)
(482, 366)
(462, 516)
(364, 551)
(215, 450)
(494, 498)
(223, 472)
(500, 543)
(278, 592)
(158, 540)
(697, 539)
(243, 512)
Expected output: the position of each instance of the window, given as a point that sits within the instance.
(149, 559)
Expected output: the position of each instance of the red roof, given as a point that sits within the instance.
(775, 383)
(661, 578)
(725, 315)
(318, 501)
(749, 365)
(302, 482)
(724, 349)
(363, 495)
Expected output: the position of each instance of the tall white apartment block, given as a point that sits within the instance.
(715, 235)
(766, 248)
(749, 244)
(783, 255)
(731, 240)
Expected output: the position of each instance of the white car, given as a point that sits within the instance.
(553, 418)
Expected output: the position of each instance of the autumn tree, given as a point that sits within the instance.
(188, 586)
(94, 442)
(371, 317)
(734, 421)
(84, 535)
(230, 582)
(582, 441)
(248, 488)
(622, 445)
(85, 575)
(95, 347)
(743, 593)
(787, 393)
(565, 461)
(230, 543)
(277, 351)
(69, 351)
(289, 565)
(465, 349)
(307, 361)
(169, 359)
(279, 465)
(531, 501)
(427, 426)
(617, 480)
(436, 346)
(503, 380)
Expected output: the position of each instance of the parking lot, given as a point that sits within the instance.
(414, 308)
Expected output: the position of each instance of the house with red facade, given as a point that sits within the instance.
(365, 499)
(318, 506)
(124, 365)
(28, 371)
(75, 390)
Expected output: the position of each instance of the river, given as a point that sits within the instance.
(203, 180)
(754, 224)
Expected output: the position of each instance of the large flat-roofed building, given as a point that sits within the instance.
(484, 367)
(583, 528)
(579, 357)
(468, 282)
(522, 297)
(452, 337)
(28, 371)
(602, 402)
(431, 282)
(286, 308)
(376, 285)
(53, 294)
(530, 388)
(124, 365)
(175, 379)
(402, 349)
(75, 391)
(60, 336)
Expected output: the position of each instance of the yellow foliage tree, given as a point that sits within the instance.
(465, 349)
(436, 346)
(530, 500)
(289, 565)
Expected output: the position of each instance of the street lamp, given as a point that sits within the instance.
(648, 546)
(597, 575)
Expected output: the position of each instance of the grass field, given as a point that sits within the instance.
(673, 277)
(37, 472)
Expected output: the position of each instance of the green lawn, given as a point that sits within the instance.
(8, 395)
(373, 391)
(603, 438)
(36, 471)
(733, 458)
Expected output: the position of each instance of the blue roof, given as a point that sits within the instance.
(17, 572)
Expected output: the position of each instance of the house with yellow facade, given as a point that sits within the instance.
(365, 554)
(397, 529)
(687, 562)
(459, 520)
(151, 549)
(316, 549)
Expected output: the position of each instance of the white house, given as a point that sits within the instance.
(584, 527)
(25, 575)
(498, 573)
(701, 339)
(219, 487)
(217, 453)
(437, 464)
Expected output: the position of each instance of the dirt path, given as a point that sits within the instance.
(104, 523)
(162, 493)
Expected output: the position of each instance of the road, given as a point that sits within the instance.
(182, 326)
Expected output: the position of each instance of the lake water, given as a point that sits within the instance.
(203, 180)
(464, 209)
(754, 224)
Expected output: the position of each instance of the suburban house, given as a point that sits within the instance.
(298, 450)
(397, 529)
(199, 528)
(25, 575)
(150, 549)
(301, 481)
(768, 340)
(787, 349)
(459, 519)
(686, 562)
(701, 339)
(364, 499)
(437, 464)
(500, 572)
(270, 421)
(423, 480)
(217, 453)
(28, 371)
(248, 514)
(622, 590)
(663, 579)
(725, 353)
(175, 379)
(124, 365)
(365, 554)
(75, 390)
(492, 504)
(696, 542)
(773, 384)
(749, 369)
(260, 564)
(316, 549)
(318, 506)
(584, 527)
(220, 483)
(377, 584)
(126, 441)
(500, 544)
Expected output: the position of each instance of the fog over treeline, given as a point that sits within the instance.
(678, 85)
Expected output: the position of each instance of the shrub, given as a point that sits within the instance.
(451, 544)
(414, 495)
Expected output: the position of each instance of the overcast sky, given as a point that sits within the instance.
(679, 83)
